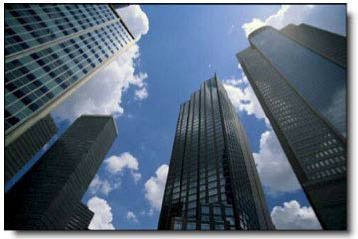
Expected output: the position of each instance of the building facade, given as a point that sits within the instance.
(301, 86)
(49, 195)
(212, 182)
(50, 51)
(81, 218)
(22, 149)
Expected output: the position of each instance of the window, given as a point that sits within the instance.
(191, 213)
(231, 220)
(229, 211)
(205, 226)
(177, 225)
(217, 210)
(191, 226)
(205, 218)
(219, 227)
(205, 209)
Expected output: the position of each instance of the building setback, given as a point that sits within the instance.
(212, 182)
(48, 196)
(23, 148)
(50, 51)
(299, 76)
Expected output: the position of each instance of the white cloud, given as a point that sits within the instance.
(102, 219)
(244, 98)
(141, 94)
(293, 216)
(136, 176)
(135, 19)
(285, 15)
(115, 164)
(103, 93)
(154, 187)
(131, 216)
(102, 186)
(273, 167)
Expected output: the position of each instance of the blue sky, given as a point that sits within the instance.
(180, 46)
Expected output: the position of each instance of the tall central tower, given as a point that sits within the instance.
(212, 182)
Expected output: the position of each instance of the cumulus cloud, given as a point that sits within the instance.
(242, 96)
(131, 216)
(154, 187)
(103, 93)
(102, 219)
(102, 186)
(293, 216)
(136, 176)
(116, 164)
(135, 19)
(285, 15)
(273, 167)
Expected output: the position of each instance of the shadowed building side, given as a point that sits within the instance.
(24, 148)
(48, 195)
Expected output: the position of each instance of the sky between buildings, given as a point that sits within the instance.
(179, 47)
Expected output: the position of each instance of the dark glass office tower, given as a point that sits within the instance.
(22, 149)
(48, 196)
(50, 51)
(212, 182)
(301, 85)
(81, 218)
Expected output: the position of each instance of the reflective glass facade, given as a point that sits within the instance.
(327, 44)
(48, 196)
(50, 48)
(320, 81)
(212, 182)
(315, 149)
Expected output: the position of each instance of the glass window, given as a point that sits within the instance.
(231, 220)
(219, 227)
(191, 213)
(205, 226)
(217, 210)
(205, 218)
(191, 226)
(229, 211)
(177, 225)
(205, 209)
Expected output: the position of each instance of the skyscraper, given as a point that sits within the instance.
(23, 148)
(49, 195)
(212, 182)
(299, 76)
(50, 51)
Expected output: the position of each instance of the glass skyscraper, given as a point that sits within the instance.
(49, 195)
(50, 51)
(212, 182)
(299, 76)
